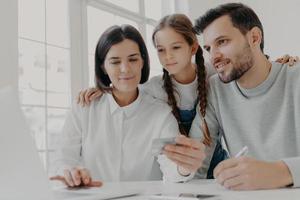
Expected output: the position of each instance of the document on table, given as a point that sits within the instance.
(94, 193)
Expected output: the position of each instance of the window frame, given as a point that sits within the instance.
(78, 48)
(45, 106)
(79, 31)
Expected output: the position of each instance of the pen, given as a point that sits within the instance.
(242, 152)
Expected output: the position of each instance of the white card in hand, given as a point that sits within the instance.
(159, 143)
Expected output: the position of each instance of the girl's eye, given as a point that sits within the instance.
(160, 50)
(177, 47)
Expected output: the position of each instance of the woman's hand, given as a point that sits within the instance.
(77, 177)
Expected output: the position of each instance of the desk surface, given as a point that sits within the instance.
(196, 186)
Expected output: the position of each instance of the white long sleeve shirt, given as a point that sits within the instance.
(113, 142)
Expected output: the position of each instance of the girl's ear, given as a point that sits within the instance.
(195, 47)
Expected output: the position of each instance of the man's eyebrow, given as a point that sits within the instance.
(220, 37)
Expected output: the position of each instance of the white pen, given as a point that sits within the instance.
(242, 152)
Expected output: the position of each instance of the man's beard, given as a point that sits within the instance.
(243, 62)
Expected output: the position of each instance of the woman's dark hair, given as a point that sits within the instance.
(114, 35)
(182, 25)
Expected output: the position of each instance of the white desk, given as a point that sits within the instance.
(195, 186)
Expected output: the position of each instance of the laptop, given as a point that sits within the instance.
(21, 171)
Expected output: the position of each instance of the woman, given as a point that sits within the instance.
(111, 139)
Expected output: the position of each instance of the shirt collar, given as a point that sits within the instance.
(129, 110)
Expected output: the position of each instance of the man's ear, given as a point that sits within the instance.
(255, 36)
(195, 47)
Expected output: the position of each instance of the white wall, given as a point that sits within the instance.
(8, 42)
(279, 18)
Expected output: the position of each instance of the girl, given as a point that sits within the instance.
(184, 83)
(109, 140)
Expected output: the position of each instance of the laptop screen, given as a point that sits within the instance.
(21, 171)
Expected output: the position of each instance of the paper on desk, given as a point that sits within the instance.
(211, 187)
(95, 193)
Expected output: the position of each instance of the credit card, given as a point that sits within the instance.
(159, 143)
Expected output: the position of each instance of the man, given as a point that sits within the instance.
(252, 102)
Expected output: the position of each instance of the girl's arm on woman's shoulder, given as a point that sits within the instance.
(86, 96)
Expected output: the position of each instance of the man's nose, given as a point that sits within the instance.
(215, 55)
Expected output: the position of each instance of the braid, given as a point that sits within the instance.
(168, 86)
(202, 91)
(181, 24)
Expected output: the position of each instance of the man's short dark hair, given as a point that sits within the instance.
(242, 17)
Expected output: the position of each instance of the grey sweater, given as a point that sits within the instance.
(265, 118)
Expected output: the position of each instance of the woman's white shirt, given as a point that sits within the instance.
(115, 142)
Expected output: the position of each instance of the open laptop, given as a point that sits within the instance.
(21, 171)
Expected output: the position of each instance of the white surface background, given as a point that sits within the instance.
(280, 20)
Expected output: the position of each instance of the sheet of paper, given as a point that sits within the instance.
(95, 193)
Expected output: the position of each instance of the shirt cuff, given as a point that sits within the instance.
(170, 172)
(294, 166)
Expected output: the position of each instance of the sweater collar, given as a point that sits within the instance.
(261, 88)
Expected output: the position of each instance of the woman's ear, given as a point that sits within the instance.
(195, 47)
